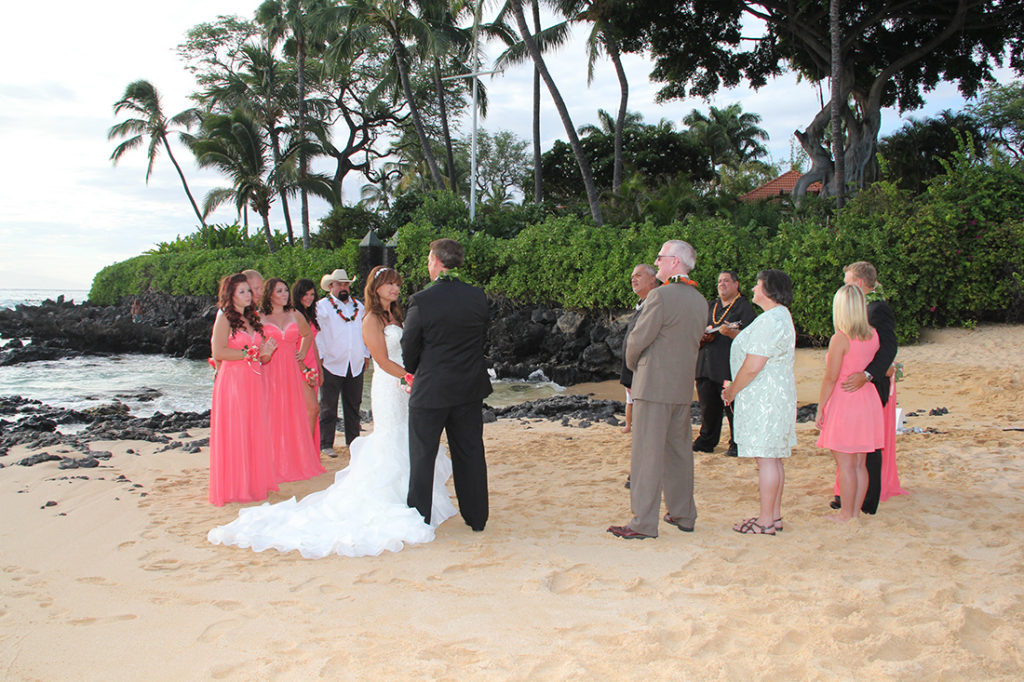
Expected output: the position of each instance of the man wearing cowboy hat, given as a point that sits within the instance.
(344, 357)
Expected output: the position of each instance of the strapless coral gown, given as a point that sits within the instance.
(296, 455)
(853, 420)
(241, 464)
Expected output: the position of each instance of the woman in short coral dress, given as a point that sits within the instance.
(241, 467)
(304, 300)
(851, 423)
(296, 456)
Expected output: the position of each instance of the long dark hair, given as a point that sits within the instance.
(266, 307)
(379, 276)
(299, 290)
(225, 301)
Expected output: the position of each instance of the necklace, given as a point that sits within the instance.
(724, 312)
(355, 309)
(680, 279)
(448, 276)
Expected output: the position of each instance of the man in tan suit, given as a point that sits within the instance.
(662, 352)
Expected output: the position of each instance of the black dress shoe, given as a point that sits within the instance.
(627, 482)
(731, 452)
(697, 448)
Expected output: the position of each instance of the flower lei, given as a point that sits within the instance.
(355, 309)
(724, 312)
(252, 357)
(449, 276)
(680, 279)
(874, 295)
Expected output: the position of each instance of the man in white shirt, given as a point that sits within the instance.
(344, 357)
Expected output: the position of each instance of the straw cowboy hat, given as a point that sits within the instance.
(338, 275)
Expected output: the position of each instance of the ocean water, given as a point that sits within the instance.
(12, 297)
(177, 384)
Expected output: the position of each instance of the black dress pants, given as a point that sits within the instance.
(350, 388)
(709, 393)
(464, 426)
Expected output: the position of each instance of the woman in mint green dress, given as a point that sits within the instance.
(763, 395)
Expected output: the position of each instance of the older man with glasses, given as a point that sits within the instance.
(661, 351)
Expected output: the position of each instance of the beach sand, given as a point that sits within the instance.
(117, 582)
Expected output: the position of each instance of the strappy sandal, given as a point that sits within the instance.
(752, 527)
(778, 525)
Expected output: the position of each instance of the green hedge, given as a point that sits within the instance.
(199, 271)
(953, 255)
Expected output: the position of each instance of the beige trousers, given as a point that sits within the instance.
(661, 460)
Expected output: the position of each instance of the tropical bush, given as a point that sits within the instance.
(951, 255)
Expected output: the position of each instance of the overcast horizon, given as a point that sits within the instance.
(69, 212)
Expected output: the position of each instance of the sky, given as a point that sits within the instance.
(66, 211)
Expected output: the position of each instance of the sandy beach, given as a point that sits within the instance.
(116, 581)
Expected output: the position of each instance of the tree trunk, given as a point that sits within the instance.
(184, 184)
(538, 174)
(821, 160)
(300, 64)
(275, 147)
(620, 121)
(838, 152)
(445, 133)
(265, 214)
(414, 111)
(563, 113)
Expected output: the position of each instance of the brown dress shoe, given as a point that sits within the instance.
(669, 519)
(627, 533)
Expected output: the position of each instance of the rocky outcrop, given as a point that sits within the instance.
(169, 325)
(567, 346)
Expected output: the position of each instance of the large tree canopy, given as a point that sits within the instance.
(892, 53)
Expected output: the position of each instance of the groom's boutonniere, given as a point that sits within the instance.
(406, 382)
(449, 276)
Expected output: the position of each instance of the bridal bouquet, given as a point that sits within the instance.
(252, 357)
(406, 382)
(311, 375)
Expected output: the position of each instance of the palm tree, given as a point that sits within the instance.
(234, 145)
(517, 53)
(532, 47)
(142, 99)
(261, 85)
(729, 135)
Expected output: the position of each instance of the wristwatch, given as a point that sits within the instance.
(868, 375)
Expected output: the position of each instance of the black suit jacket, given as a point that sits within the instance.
(880, 317)
(443, 345)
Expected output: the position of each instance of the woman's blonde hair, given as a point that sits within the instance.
(850, 312)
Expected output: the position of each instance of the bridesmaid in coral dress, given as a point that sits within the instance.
(304, 300)
(241, 467)
(296, 456)
(851, 423)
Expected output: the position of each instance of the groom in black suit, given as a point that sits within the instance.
(443, 346)
(880, 316)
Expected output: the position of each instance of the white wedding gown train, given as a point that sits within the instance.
(364, 512)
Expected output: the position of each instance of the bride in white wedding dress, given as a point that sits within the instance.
(364, 512)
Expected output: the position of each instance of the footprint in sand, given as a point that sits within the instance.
(217, 630)
(163, 565)
(103, 620)
(95, 580)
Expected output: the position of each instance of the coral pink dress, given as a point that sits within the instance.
(241, 466)
(853, 421)
(296, 455)
(310, 361)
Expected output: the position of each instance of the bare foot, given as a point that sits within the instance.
(840, 518)
(627, 428)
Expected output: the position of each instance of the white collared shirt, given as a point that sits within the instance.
(340, 343)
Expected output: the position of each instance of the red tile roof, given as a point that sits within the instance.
(780, 186)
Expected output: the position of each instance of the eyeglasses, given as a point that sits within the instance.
(663, 255)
